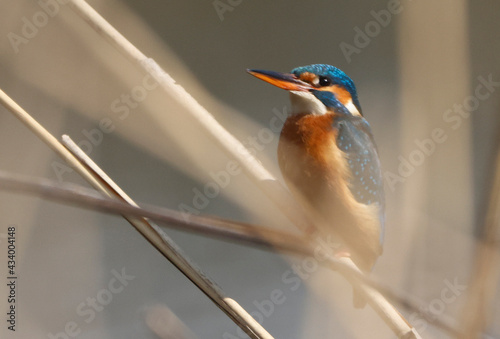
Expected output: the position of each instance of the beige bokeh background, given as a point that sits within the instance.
(426, 59)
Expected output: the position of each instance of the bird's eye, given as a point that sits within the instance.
(324, 81)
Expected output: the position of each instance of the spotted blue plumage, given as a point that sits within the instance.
(356, 141)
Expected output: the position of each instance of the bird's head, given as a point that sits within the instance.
(315, 89)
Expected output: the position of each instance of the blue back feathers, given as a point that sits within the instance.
(366, 184)
(362, 158)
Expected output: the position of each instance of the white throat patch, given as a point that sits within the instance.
(306, 102)
(352, 108)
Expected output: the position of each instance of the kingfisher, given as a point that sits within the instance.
(328, 158)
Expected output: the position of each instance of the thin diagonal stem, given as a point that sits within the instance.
(231, 146)
(149, 230)
(253, 168)
(250, 234)
(227, 142)
(229, 230)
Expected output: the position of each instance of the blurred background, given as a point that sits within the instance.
(428, 78)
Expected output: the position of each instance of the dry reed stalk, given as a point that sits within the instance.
(150, 231)
(477, 310)
(229, 144)
(223, 229)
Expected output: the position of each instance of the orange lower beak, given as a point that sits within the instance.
(282, 80)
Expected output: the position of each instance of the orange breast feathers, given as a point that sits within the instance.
(316, 171)
(308, 146)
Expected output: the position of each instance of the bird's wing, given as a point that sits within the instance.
(355, 139)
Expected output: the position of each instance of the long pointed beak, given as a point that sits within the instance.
(282, 80)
